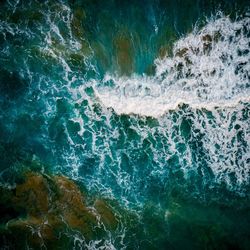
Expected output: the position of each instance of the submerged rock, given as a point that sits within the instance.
(124, 53)
(79, 16)
(181, 52)
(44, 208)
(107, 216)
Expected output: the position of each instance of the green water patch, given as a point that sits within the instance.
(212, 227)
(183, 222)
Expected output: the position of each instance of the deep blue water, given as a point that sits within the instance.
(144, 103)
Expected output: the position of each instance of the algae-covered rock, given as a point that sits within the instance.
(34, 192)
(106, 214)
(43, 208)
(124, 53)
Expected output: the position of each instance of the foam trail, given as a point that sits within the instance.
(209, 68)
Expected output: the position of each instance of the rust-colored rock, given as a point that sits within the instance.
(106, 214)
(124, 54)
(34, 192)
(52, 205)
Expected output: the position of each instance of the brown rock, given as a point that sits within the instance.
(33, 195)
(106, 214)
(181, 52)
(53, 204)
(124, 53)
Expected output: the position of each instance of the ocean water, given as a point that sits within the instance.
(143, 103)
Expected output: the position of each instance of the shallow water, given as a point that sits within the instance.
(142, 103)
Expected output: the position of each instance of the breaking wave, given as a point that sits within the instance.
(209, 68)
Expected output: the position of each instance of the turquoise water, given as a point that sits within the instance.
(145, 103)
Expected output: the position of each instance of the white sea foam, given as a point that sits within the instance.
(210, 67)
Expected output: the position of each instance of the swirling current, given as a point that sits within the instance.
(124, 124)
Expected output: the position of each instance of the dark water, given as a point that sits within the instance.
(144, 105)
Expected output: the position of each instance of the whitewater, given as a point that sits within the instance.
(209, 68)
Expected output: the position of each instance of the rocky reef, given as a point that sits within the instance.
(44, 210)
